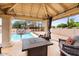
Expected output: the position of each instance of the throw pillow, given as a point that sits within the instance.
(70, 41)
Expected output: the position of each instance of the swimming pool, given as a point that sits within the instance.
(15, 36)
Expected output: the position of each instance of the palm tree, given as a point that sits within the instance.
(70, 23)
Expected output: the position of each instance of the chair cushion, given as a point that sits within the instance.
(70, 41)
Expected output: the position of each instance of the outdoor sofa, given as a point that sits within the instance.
(69, 50)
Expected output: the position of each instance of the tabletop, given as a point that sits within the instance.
(34, 42)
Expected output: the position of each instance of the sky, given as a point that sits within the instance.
(64, 20)
(58, 21)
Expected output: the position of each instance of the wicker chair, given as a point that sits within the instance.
(69, 50)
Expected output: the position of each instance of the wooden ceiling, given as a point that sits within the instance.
(39, 10)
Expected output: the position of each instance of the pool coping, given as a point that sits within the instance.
(34, 34)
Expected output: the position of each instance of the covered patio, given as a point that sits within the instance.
(34, 12)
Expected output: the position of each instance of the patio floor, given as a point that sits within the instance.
(15, 50)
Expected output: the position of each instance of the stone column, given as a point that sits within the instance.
(6, 26)
(47, 31)
(46, 26)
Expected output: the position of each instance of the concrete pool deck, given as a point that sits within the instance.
(16, 49)
(53, 50)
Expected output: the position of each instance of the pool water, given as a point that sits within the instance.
(15, 36)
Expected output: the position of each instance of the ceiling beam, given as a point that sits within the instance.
(67, 14)
(53, 8)
(12, 7)
(22, 9)
(40, 5)
(27, 17)
(63, 6)
(31, 7)
(50, 13)
(3, 6)
(22, 17)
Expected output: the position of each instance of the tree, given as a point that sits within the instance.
(77, 24)
(71, 23)
(16, 25)
(19, 25)
(62, 25)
